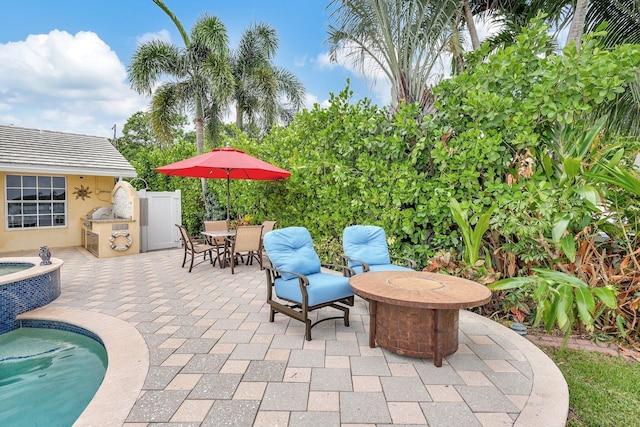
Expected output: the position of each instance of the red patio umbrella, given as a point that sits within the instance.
(226, 163)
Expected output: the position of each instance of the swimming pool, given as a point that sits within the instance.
(48, 376)
(26, 289)
(6, 268)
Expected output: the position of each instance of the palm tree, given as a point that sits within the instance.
(402, 38)
(198, 75)
(514, 15)
(623, 19)
(263, 93)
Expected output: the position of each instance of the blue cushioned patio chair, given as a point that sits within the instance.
(365, 249)
(294, 274)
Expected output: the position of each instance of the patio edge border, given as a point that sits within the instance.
(548, 403)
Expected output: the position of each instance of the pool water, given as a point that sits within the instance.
(47, 376)
(8, 268)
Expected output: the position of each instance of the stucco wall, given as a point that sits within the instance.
(100, 188)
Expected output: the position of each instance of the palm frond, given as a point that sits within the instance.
(150, 62)
(165, 105)
(210, 32)
(403, 39)
(622, 16)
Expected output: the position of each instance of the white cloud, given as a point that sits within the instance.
(324, 61)
(59, 81)
(310, 100)
(162, 35)
(375, 77)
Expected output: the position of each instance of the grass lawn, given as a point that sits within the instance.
(603, 390)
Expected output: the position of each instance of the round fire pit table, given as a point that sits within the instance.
(415, 313)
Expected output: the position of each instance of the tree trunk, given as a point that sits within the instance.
(471, 26)
(239, 123)
(200, 146)
(577, 25)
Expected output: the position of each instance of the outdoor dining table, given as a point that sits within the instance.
(228, 239)
(415, 313)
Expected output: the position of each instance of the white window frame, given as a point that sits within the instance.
(37, 202)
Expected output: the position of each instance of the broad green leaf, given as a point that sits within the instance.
(591, 138)
(461, 218)
(541, 291)
(615, 160)
(547, 164)
(568, 246)
(625, 179)
(482, 226)
(559, 227)
(586, 305)
(550, 314)
(571, 167)
(607, 295)
(560, 277)
(563, 307)
(590, 194)
(510, 283)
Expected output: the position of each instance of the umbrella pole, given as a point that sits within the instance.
(228, 198)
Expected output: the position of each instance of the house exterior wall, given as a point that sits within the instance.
(69, 235)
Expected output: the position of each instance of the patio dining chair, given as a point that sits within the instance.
(220, 243)
(192, 248)
(296, 284)
(246, 242)
(365, 249)
(267, 226)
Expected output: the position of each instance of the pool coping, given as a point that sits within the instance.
(36, 270)
(128, 358)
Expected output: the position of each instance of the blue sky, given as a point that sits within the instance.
(63, 62)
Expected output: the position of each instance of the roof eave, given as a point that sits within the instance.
(66, 170)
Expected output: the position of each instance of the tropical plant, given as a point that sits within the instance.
(403, 39)
(560, 296)
(263, 92)
(472, 236)
(199, 76)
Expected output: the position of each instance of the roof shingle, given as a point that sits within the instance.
(43, 151)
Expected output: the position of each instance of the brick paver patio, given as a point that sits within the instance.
(214, 359)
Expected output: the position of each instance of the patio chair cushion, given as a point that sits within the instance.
(367, 243)
(291, 249)
(323, 287)
(381, 267)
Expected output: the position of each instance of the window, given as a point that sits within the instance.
(36, 201)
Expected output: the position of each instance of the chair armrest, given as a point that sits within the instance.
(410, 263)
(278, 274)
(344, 268)
(346, 259)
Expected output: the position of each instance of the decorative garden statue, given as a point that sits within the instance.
(45, 255)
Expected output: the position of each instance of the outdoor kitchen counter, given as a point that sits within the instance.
(110, 220)
(111, 231)
(109, 237)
